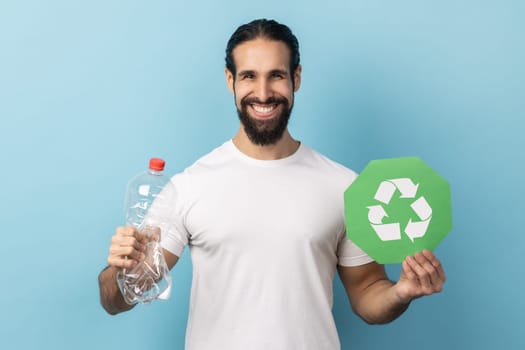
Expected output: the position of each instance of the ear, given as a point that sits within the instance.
(297, 77)
(229, 79)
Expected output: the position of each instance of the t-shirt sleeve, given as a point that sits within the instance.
(169, 207)
(349, 254)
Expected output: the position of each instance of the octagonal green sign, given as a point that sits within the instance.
(397, 207)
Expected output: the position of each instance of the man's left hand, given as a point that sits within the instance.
(422, 274)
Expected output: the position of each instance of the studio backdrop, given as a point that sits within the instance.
(90, 90)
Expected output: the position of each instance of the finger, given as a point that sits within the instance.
(122, 263)
(128, 241)
(431, 272)
(421, 273)
(126, 231)
(130, 231)
(433, 266)
(408, 272)
(126, 252)
(436, 263)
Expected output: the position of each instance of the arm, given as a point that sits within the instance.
(110, 297)
(126, 250)
(378, 300)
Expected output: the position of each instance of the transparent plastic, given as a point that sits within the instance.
(145, 209)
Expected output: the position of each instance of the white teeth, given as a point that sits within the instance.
(262, 109)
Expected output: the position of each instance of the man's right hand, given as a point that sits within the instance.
(127, 247)
(126, 250)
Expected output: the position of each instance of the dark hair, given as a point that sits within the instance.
(263, 28)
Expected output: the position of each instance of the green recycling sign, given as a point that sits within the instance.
(397, 207)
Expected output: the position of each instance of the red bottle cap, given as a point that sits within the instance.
(156, 164)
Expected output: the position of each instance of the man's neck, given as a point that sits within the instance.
(283, 148)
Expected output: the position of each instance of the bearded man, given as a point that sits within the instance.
(263, 218)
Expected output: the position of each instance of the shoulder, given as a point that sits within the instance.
(325, 164)
(215, 159)
(206, 166)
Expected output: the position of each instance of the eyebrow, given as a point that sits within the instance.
(279, 71)
(246, 72)
(252, 72)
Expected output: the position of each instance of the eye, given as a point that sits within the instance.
(248, 76)
(278, 75)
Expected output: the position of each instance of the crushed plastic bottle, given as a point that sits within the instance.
(150, 279)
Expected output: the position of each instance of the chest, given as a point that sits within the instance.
(267, 213)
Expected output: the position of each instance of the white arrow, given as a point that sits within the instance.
(388, 232)
(421, 208)
(416, 229)
(385, 191)
(376, 213)
(407, 188)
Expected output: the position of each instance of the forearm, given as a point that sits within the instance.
(380, 303)
(378, 300)
(110, 296)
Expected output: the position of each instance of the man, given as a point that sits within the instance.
(263, 217)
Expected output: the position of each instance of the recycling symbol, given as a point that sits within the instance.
(397, 207)
(392, 231)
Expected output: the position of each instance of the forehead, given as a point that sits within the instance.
(261, 55)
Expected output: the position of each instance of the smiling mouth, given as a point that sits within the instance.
(264, 111)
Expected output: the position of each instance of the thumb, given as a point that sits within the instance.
(152, 233)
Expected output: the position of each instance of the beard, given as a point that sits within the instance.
(265, 132)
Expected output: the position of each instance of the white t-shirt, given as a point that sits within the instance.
(265, 237)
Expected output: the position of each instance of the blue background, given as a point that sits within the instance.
(90, 90)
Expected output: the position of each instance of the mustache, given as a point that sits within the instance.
(271, 100)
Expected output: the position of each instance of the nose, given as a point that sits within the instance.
(263, 90)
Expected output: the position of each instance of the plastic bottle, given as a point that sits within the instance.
(145, 206)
